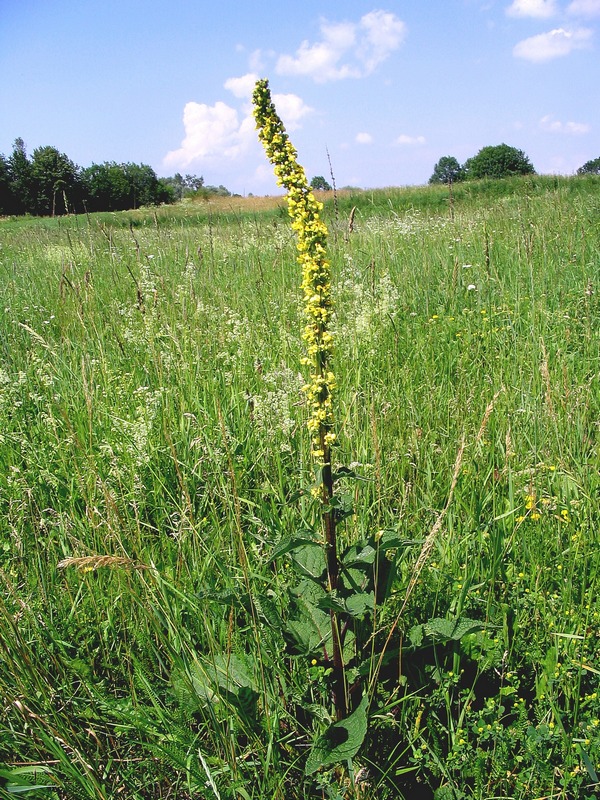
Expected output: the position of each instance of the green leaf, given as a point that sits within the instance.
(331, 602)
(355, 557)
(453, 629)
(227, 675)
(346, 472)
(17, 779)
(340, 742)
(391, 540)
(416, 635)
(267, 611)
(588, 765)
(309, 560)
(357, 605)
(310, 627)
(290, 543)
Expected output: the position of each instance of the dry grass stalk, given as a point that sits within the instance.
(89, 563)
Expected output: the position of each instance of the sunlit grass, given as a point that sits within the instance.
(151, 413)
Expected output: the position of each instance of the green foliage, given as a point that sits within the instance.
(50, 184)
(590, 167)
(320, 184)
(498, 161)
(7, 199)
(116, 187)
(447, 170)
(20, 179)
(184, 186)
(340, 742)
(56, 181)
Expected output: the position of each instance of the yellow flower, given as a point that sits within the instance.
(311, 232)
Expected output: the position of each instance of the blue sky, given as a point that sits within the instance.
(386, 87)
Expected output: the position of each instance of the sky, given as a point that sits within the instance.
(373, 93)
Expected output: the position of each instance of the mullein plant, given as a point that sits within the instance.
(304, 210)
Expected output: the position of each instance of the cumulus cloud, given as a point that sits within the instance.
(404, 139)
(540, 9)
(291, 109)
(221, 133)
(364, 138)
(548, 123)
(210, 132)
(584, 8)
(243, 86)
(346, 49)
(555, 43)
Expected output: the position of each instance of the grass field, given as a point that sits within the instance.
(158, 634)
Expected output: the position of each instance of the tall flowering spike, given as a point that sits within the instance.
(311, 232)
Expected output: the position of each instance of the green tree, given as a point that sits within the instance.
(20, 178)
(182, 187)
(590, 168)
(219, 191)
(447, 170)
(55, 181)
(106, 187)
(143, 184)
(117, 187)
(8, 202)
(498, 161)
(319, 183)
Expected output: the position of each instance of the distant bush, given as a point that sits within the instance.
(498, 161)
(447, 170)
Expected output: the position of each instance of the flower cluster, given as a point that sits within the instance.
(311, 232)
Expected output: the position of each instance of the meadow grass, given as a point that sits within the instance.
(154, 455)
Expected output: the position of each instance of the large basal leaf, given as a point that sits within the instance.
(290, 543)
(309, 560)
(309, 627)
(227, 675)
(359, 604)
(340, 742)
(453, 629)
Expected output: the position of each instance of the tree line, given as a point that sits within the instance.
(497, 161)
(50, 184)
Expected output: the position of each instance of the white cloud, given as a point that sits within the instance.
(346, 49)
(243, 86)
(383, 33)
(256, 62)
(364, 138)
(210, 132)
(548, 123)
(216, 134)
(555, 43)
(291, 109)
(403, 139)
(584, 8)
(540, 9)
